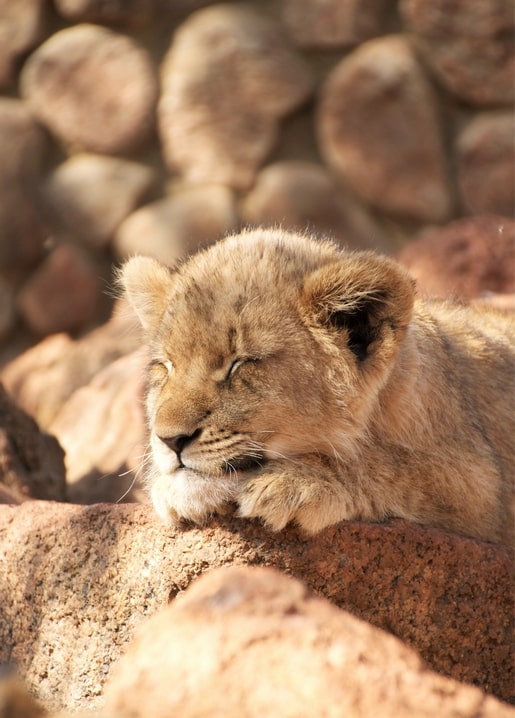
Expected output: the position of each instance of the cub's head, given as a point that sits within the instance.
(266, 345)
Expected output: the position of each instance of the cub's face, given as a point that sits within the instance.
(262, 348)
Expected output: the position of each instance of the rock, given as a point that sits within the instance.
(227, 80)
(93, 88)
(465, 259)
(62, 295)
(378, 128)
(21, 28)
(303, 195)
(133, 13)
(22, 147)
(260, 644)
(44, 377)
(468, 45)
(486, 151)
(31, 462)
(328, 24)
(91, 195)
(90, 575)
(101, 428)
(171, 228)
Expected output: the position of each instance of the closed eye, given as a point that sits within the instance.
(165, 365)
(237, 363)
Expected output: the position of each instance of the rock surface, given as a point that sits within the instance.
(92, 88)
(21, 27)
(227, 80)
(465, 259)
(91, 574)
(378, 128)
(258, 643)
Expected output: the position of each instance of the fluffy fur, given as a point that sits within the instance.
(305, 383)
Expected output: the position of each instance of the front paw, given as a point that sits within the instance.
(270, 498)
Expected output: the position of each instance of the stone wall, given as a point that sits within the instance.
(155, 126)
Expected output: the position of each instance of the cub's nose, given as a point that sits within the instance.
(179, 442)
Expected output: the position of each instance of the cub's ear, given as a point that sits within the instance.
(367, 296)
(146, 283)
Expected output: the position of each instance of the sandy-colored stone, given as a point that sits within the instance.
(91, 574)
(468, 45)
(303, 195)
(259, 644)
(22, 147)
(227, 80)
(31, 462)
(21, 27)
(486, 164)
(93, 88)
(44, 377)
(171, 228)
(101, 428)
(63, 293)
(91, 195)
(328, 24)
(465, 259)
(379, 129)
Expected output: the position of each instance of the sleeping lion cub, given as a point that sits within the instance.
(305, 383)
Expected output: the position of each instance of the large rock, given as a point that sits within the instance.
(31, 462)
(468, 45)
(228, 79)
(21, 27)
(93, 88)
(259, 644)
(378, 128)
(128, 12)
(486, 164)
(90, 575)
(464, 260)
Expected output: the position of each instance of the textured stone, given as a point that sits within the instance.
(21, 27)
(227, 79)
(93, 88)
(260, 644)
(379, 130)
(44, 377)
(63, 293)
(468, 45)
(91, 195)
(31, 462)
(328, 24)
(101, 428)
(486, 164)
(465, 259)
(90, 575)
(171, 228)
(22, 147)
(303, 195)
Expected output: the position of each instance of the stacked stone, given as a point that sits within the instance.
(156, 126)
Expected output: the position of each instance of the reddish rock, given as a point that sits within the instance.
(228, 79)
(62, 295)
(21, 28)
(303, 195)
(464, 259)
(468, 45)
(379, 130)
(93, 88)
(90, 575)
(328, 24)
(486, 164)
(31, 462)
(258, 643)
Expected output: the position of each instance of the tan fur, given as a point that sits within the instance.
(308, 384)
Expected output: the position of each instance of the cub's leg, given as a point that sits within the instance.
(308, 493)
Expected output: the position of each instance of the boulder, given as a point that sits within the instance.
(379, 130)
(227, 80)
(91, 574)
(22, 26)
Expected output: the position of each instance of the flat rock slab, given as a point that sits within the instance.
(75, 582)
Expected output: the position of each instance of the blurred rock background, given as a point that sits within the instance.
(156, 126)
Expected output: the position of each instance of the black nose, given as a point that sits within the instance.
(178, 443)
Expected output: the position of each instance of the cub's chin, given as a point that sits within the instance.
(187, 495)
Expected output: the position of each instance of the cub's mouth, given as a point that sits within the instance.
(244, 463)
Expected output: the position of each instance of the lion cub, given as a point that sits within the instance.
(305, 383)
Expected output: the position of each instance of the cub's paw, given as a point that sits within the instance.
(272, 498)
